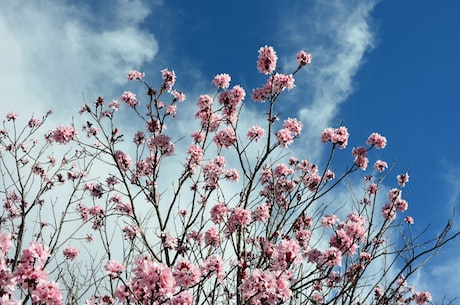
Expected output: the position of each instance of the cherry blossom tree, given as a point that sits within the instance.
(103, 212)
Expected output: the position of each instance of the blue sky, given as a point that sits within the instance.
(386, 66)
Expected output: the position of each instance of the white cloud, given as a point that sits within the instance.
(338, 34)
(53, 51)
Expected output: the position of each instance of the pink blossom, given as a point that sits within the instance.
(422, 297)
(315, 256)
(36, 251)
(222, 81)
(162, 143)
(151, 282)
(139, 138)
(171, 110)
(194, 157)
(282, 170)
(389, 212)
(284, 137)
(178, 96)
(238, 218)
(225, 138)
(135, 75)
(337, 136)
(303, 237)
(114, 268)
(130, 232)
(287, 254)
(327, 134)
(280, 81)
(114, 105)
(12, 116)
(5, 243)
(218, 212)
(372, 189)
(198, 136)
(183, 298)
(186, 274)
(123, 160)
(329, 220)
(34, 122)
(196, 236)
(341, 136)
(266, 62)
(409, 220)
(255, 133)
(168, 241)
(261, 94)
(62, 134)
(212, 171)
(213, 266)
(329, 175)
(364, 256)
(266, 287)
(303, 58)
(293, 126)
(47, 293)
(376, 140)
(231, 175)
(122, 207)
(342, 241)
(401, 205)
(332, 257)
(360, 157)
(154, 126)
(169, 79)
(130, 99)
(211, 237)
(261, 213)
(204, 102)
(403, 179)
(71, 253)
(380, 165)
(378, 291)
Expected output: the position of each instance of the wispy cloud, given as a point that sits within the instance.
(52, 52)
(338, 34)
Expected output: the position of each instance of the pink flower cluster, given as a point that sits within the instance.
(239, 218)
(29, 275)
(194, 157)
(225, 137)
(231, 100)
(71, 253)
(62, 134)
(212, 172)
(349, 234)
(377, 140)
(303, 58)
(130, 99)
(152, 282)
(255, 133)
(266, 62)
(135, 75)
(290, 130)
(396, 204)
(156, 283)
(266, 287)
(169, 79)
(274, 85)
(123, 160)
(222, 81)
(360, 157)
(337, 136)
(161, 143)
